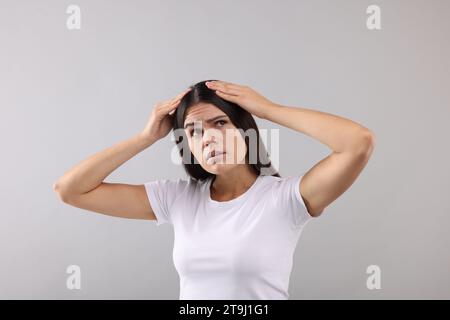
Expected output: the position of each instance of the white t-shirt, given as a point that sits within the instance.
(237, 249)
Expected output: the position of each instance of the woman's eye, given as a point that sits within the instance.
(195, 132)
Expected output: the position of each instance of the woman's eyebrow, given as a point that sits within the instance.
(209, 120)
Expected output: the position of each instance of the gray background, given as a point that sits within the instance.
(68, 94)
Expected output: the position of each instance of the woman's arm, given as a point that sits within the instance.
(90, 173)
(82, 186)
(351, 145)
(339, 134)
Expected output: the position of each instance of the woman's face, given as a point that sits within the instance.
(208, 130)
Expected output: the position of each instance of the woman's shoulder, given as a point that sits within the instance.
(281, 184)
(271, 180)
(283, 179)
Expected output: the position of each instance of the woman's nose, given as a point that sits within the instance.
(210, 136)
(209, 139)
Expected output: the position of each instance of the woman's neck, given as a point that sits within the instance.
(233, 184)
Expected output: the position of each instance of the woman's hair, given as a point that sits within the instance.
(241, 118)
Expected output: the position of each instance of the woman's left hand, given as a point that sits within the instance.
(244, 96)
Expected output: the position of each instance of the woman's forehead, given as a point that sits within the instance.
(202, 111)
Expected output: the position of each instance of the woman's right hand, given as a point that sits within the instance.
(160, 121)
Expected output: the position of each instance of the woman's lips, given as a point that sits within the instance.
(218, 154)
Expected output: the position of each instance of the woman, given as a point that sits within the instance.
(236, 228)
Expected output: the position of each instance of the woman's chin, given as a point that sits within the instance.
(217, 168)
(220, 165)
(220, 168)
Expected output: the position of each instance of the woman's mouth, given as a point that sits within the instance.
(215, 156)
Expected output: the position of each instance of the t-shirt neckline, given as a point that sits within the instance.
(231, 202)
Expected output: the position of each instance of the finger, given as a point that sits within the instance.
(173, 105)
(229, 91)
(178, 97)
(165, 106)
(183, 93)
(227, 96)
(232, 85)
(225, 87)
(226, 84)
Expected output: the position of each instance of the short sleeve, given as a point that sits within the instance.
(161, 195)
(289, 200)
